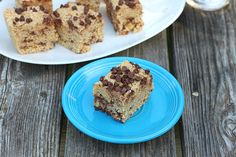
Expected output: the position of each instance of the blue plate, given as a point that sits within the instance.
(160, 113)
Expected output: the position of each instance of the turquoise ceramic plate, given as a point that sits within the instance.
(158, 115)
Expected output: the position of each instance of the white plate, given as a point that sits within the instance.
(158, 15)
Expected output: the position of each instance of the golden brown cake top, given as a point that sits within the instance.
(28, 17)
(127, 78)
(75, 16)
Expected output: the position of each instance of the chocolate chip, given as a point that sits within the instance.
(86, 9)
(58, 22)
(22, 18)
(102, 78)
(143, 81)
(56, 14)
(120, 2)
(81, 23)
(114, 70)
(32, 33)
(34, 10)
(113, 76)
(74, 8)
(14, 23)
(92, 17)
(87, 21)
(41, 8)
(124, 90)
(136, 71)
(116, 84)
(71, 25)
(19, 10)
(46, 11)
(110, 85)
(75, 18)
(117, 8)
(17, 19)
(131, 75)
(130, 4)
(47, 20)
(105, 83)
(137, 66)
(28, 20)
(118, 78)
(147, 71)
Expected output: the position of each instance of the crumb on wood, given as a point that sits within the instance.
(195, 94)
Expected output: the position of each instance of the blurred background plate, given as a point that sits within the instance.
(158, 15)
(158, 115)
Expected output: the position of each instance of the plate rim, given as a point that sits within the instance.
(150, 35)
(97, 136)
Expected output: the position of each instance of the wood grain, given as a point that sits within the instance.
(78, 144)
(204, 55)
(30, 109)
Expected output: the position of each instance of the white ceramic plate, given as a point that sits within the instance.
(158, 15)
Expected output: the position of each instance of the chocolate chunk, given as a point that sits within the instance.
(147, 71)
(131, 75)
(47, 20)
(113, 76)
(110, 86)
(58, 22)
(56, 14)
(17, 19)
(87, 21)
(102, 78)
(28, 20)
(74, 8)
(120, 2)
(14, 23)
(86, 9)
(19, 10)
(22, 18)
(75, 18)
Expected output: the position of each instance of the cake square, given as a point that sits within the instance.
(31, 29)
(125, 15)
(47, 4)
(123, 90)
(92, 4)
(78, 26)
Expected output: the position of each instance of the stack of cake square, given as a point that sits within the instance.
(34, 28)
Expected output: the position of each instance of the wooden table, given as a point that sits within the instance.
(199, 49)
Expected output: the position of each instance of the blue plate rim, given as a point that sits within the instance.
(117, 140)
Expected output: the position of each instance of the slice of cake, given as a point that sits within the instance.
(78, 26)
(92, 4)
(32, 29)
(47, 4)
(123, 90)
(126, 15)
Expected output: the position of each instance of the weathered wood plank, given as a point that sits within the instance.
(78, 144)
(30, 109)
(204, 56)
